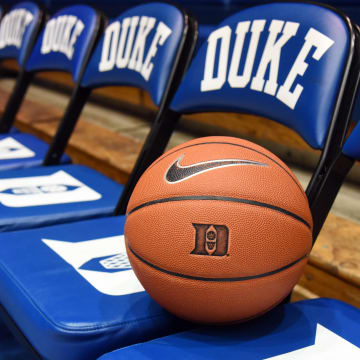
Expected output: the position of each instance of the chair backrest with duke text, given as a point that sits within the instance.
(19, 28)
(65, 44)
(144, 48)
(295, 63)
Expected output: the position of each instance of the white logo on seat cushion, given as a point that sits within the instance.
(102, 262)
(13, 149)
(328, 345)
(57, 188)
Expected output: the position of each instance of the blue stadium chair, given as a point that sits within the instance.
(80, 26)
(321, 328)
(311, 329)
(26, 192)
(57, 194)
(19, 28)
(80, 297)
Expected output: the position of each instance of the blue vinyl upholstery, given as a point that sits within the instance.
(18, 29)
(23, 151)
(63, 43)
(117, 62)
(31, 198)
(298, 87)
(311, 329)
(74, 295)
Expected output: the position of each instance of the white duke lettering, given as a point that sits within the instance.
(13, 27)
(61, 34)
(278, 35)
(121, 48)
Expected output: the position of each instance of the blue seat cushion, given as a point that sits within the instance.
(42, 196)
(310, 329)
(23, 151)
(71, 291)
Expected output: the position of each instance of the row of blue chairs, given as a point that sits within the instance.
(62, 291)
(76, 192)
(208, 13)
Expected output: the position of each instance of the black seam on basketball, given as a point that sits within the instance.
(230, 279)
(222, 198)
(227, 143)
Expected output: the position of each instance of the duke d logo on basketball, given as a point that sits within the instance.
(211, 240)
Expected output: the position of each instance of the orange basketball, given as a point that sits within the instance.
(218, 230)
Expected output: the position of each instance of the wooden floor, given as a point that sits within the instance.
(109, 138)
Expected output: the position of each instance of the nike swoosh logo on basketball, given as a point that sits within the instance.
(177, 172)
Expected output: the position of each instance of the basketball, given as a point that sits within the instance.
(218, 230)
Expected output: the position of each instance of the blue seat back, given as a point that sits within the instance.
(138, 48)
(18, 30)
(276, 60)
(65, 41)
